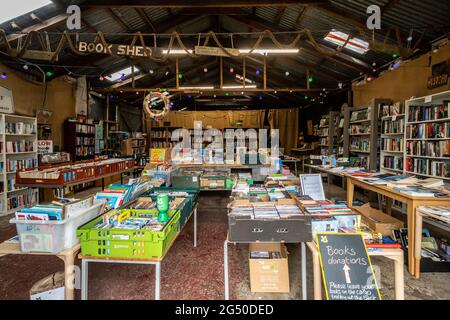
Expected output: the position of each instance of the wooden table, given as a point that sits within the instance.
(418, 239)
(412, 203)
(67, 256)
(394, 254)
(60, 187)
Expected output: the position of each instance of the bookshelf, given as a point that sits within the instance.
(328, 141)
(392, 138)
(160, 137)
(427, 136)
(342, 132)
(364, 128)
(79, 140)
(18, 150)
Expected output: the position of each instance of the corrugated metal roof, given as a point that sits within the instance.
(406, 14)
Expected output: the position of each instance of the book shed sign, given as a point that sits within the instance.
(346, 268)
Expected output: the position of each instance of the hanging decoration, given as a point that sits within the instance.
(152, 100)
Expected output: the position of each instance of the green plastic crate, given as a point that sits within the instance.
(128, 244)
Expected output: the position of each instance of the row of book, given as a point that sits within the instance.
(324, 132)
(360, 144)
(390, 162)
(20, 146)
(84, 141)
(160, 134)
(396, 126)
(428, 167)
(84, 151)
(20, 128)
(162, 144)
(428, 131)
(427, 113)
(83, 128)
(394, 109)
(25, 199)
(428, 148)
(361, 115)
(14, 165)
(393, 144)
(360, 129)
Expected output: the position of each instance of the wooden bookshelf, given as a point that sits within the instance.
(364, 129)
(427, 136)
(18, 150)
(160, 137)
(79, 140)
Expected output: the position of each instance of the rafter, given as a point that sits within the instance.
(118, 19)
(388, 6)
(280, 13)
(198, 3)
(340, 57)
(146, 19)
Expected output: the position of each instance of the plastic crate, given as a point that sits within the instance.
(132, 244)
(54, 236)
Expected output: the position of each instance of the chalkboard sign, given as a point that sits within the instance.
(346, 268)
(312, 186)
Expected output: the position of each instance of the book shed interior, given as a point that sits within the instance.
(294, 150)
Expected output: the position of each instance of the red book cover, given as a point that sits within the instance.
(383, 245)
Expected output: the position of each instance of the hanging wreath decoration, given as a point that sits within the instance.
(152, 100)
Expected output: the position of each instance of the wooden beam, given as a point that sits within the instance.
(341, 58)
(39, 26)
(280, 13)
(388, 6)
(146, 19)
(198, 3)
(118, 19)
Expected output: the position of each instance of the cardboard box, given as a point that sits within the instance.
(379, 221)
(269, 275)
(212, 184)
(49, 288)
(126, 148)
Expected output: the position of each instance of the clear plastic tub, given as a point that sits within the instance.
(54, 236)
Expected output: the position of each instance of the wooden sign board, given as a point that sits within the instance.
(215, 51)
(119, 49)
(439, 76)
(6, 100)
(346, 268)
(34, 55)
(312, 186)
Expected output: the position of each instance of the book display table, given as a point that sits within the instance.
(67, 256)
(412, 203)
(156, 262)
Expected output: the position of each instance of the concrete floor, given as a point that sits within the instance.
(194, 273)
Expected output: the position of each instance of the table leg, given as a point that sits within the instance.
(317, 275)
(68, 276)
(121, 178)
(195, 227)
(158, 281)
(350, 192)
(84, 279)
(418, 244)
(225, 270)
(304, 285)
(295, 164)
(411, 236)
(389, 206)
(103, 183)
(399, 278)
